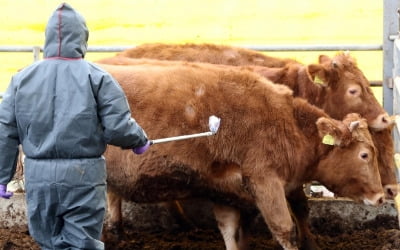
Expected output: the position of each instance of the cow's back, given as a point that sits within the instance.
(210, 53)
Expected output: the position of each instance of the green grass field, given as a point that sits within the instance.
(234, 22)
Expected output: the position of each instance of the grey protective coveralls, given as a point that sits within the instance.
(64, 110)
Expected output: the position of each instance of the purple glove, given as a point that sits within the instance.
(142, 149)
(3, 192)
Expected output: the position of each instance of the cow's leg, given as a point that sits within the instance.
(178, 214)
(115, 211)
(114, 214)
(235, 226)
(271, 201)
(228, 223)
(299, 206)
(247, 218)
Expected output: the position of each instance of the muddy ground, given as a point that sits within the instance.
(332, 233)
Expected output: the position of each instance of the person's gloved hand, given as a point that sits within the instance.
(3, 192)
(142, 149)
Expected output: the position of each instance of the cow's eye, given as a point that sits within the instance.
(353, 91)
(364, 156)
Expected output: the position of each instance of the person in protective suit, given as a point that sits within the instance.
(64, 111)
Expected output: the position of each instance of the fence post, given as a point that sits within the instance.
(394, 74)
(390, 28)
(396, 108)
(396, 103)
(36, 53)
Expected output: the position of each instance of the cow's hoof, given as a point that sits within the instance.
(309, 244)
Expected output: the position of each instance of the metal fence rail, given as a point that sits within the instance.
(289, 47)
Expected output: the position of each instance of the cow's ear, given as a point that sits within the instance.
(324, 59)
(326, 127)
(318, 73)
(332, 132)
(272, 74)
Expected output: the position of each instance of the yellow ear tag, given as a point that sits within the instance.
(318, 80)
(328, 139)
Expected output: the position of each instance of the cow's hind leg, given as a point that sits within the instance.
(114, 213)
(247, 218)
(228, 223)
(299, 206)
(235, 226)
(178, 213)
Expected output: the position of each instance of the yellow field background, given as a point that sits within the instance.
(232, 22)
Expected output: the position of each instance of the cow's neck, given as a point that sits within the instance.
(314, 93)
(314, 160)
(306, 116)
(312, 170)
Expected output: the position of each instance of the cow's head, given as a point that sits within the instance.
(350, 169)
(348, 90)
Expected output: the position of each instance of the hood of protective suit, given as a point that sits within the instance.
(66, 34)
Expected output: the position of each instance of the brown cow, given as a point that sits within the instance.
(346, 86)
(346, 90)
(268, 145)
(209, 53)
(343, 93)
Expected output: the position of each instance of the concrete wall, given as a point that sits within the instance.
(157, 216)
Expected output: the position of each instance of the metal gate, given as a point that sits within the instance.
(391, 70)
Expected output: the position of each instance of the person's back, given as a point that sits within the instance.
(64, 110)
